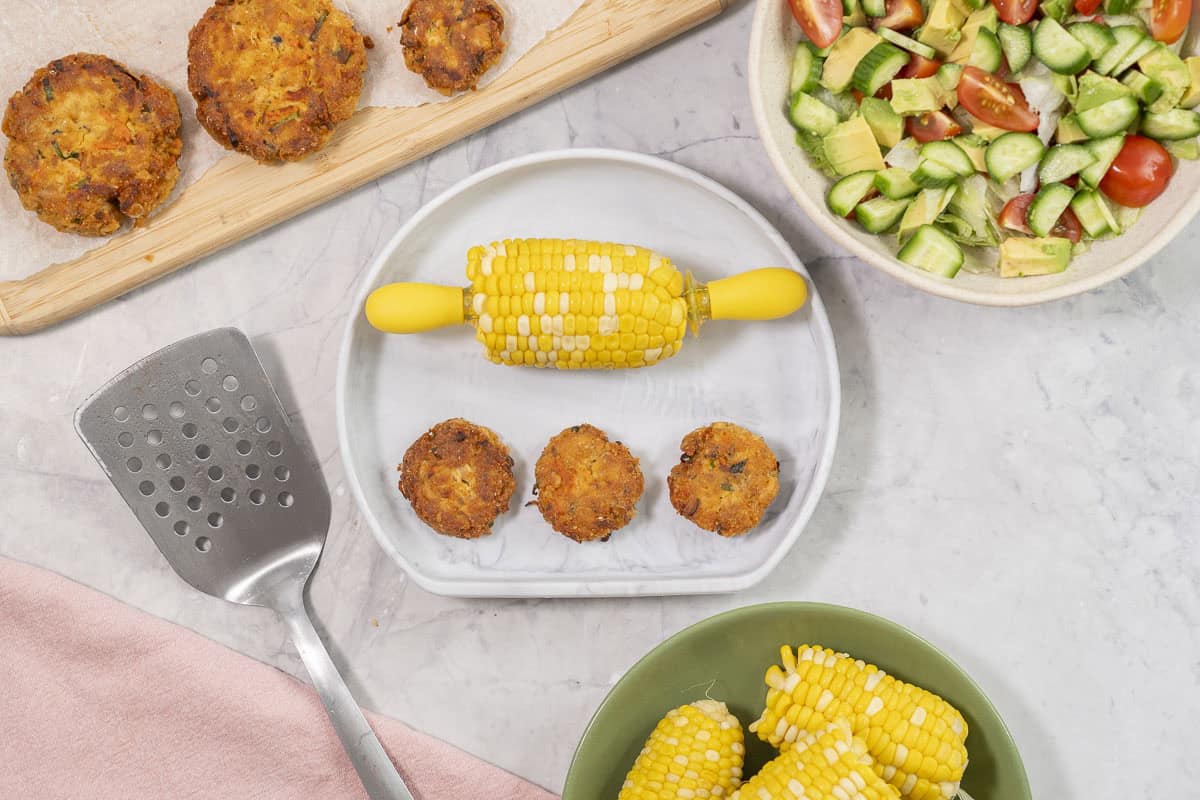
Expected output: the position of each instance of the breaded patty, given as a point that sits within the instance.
(725, 479)
(90, 144)
(273, 78)
(458, 477)
(587, 486)
(452, 43)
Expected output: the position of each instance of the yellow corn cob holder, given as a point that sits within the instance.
(575, 304)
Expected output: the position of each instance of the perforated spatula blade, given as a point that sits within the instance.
(197, 443)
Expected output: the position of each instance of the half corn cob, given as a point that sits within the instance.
(915, 738)
(572, 304)
(827, 765)
(695, 751)
(575, 304)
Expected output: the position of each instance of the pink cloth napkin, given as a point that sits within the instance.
(101, 701)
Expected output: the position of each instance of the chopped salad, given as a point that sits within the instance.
(1020, 128)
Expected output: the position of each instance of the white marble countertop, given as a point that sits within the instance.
(1019, 486)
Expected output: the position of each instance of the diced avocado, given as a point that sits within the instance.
(856, 19)
(1169, 70)
(925, 208)
(885, 123)
(943, 27)
(1020, 256)
(1191, 98)
(975, 147)
(985, 131)
(985, 17)
(851, 147)
(1069, 131)
(912, 96)
(1185, 149)
(1096, 90)
(844, 57)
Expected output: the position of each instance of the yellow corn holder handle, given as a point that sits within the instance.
(581, 305)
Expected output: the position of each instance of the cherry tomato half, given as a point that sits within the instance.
(919, 67)
(933, 126)
(820, 19)
(1139, 174)
(902, 15)
(1169, 19)
(1087, 6)
(994, 101)
(1015, 12)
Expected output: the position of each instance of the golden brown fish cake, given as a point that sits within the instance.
(458, 477)
(273, 78)
(587, 486)
(90, 144)
(452, 43)
(725, 479)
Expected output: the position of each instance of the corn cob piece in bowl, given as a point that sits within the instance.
(832, 764)
(917, 739)
(576, 304)
(696, 751)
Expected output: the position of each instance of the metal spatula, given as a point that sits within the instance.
(196, 441)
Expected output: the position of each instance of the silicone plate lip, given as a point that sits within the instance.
(519, 584)
(725, 657)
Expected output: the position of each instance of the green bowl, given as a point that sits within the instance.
(725, 657)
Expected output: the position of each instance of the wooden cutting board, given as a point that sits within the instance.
(239, 197)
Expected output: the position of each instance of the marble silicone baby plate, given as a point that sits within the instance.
(777, 378)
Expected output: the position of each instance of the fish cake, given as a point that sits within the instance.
(587, 486)
(458, 477)
(452, 43)
(725, 478)
(91, 145)
(274, 78)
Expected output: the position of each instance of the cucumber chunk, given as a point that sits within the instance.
(1098, 39)
(911, 45)
(932, 250)
(1062, 161)
(1058, 49)
(896, 183)
(1183, 149)
(986, 53)
(874, 8)
(847, 193)
(1021, 256)
(1178, 123)
(1093, 213)
(1049, 204)
(1126, 37)
(1133, 56)
(1012, 154)
(879, 214)
(1017, 43)
(932, 175)
(806, 69)
(1110, 118)
(949, 155)
(1105, 151)
(878, 67)
(809, 114)
(948, 76)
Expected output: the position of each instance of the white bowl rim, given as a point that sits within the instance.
(576, 587)
(942, 288)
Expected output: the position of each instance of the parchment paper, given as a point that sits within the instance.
(150, 37)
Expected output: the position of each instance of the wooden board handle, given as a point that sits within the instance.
(239, 197)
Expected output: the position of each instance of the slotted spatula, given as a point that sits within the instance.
(196, 441)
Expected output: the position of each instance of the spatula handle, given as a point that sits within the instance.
(375, 769)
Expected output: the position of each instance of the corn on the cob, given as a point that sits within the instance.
(915, 738)
(695, 751)
(832, 764)
(574, 304)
